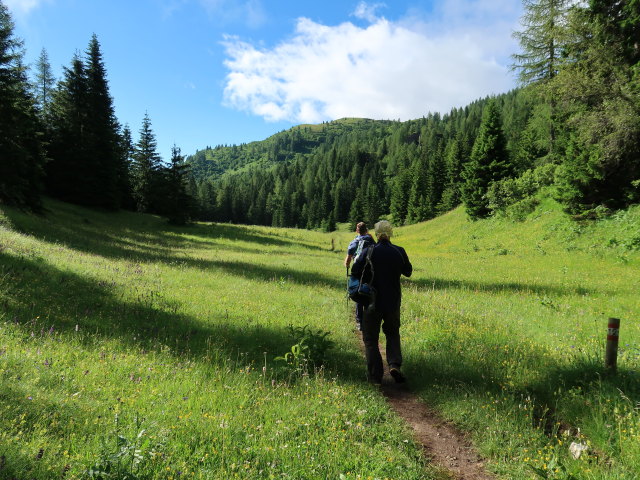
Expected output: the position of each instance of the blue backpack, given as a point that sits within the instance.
(363, 243)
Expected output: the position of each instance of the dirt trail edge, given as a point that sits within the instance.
(443, 444)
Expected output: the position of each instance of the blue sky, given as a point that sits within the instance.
(212, 72)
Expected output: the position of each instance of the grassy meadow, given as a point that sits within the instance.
(133, 349)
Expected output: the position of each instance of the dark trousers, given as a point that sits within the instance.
(359, 312)
(390, 322)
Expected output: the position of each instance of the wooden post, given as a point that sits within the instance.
(611, 355)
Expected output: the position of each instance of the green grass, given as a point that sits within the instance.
(120, 334)
(505, 328)
(115, 324)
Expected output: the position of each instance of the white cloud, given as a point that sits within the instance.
(387, 70)
(22, 7)
(367, 11)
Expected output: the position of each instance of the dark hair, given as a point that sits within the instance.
(361, 228)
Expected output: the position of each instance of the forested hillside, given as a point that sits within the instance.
(317, 175)
(574, 124)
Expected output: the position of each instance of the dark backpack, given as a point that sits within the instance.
(359, 290)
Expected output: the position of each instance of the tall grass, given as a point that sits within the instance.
(129, 349)
(505, 328)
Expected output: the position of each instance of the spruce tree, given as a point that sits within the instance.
(44, 83)
(453, 168)
(601, 94)
(489, 163)
(68, 169)
(177, 204)
(146, 169)
(124, 171)
(101, 133)
(21, 153)
(400, 196)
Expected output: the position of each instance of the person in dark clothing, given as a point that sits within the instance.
(362, 241)
(389, 262)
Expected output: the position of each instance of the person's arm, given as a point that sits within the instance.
(351, 251)
(407, 268)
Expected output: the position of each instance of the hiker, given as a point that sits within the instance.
(389, 262)
(363, 240)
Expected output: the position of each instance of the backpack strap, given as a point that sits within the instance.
(368, 262)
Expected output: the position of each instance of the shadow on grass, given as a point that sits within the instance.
(27, 409)
(36, 296)
(517, 287)
(128, 235)
(449, 373)
(157, 242)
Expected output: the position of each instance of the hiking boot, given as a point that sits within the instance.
(397, 375)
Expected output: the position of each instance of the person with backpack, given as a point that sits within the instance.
(363, 240)
(382, 269)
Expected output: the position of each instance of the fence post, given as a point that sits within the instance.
(611, 355)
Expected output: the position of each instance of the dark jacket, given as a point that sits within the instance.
(389, 262)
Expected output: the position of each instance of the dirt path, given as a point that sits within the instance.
(443, 444)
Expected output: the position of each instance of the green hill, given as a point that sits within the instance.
(211, 163)
(120, 334)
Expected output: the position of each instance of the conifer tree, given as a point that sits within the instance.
(44, 83)
(543, 40)
(102, 133)
(418, 208)
(453, 168)
(21, 153)
(68, 170)
(356, 212)
(145, 169)
(489, 162)
(601, 94)
(400, 196)
(126, 150)
(177, 204)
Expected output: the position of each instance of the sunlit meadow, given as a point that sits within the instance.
(505, 327)
(128, 347)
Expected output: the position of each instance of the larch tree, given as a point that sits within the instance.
(543, 41)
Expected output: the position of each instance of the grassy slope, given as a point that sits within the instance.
(505, 332)
(115, 323)
(504, 328)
